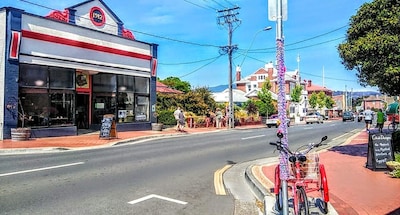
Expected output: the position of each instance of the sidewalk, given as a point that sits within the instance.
(92, 139)
(353, 188)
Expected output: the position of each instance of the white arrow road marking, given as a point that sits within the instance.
(246, 138)
(40, 169)
(158, 197)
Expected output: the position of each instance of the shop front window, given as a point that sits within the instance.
(46, 96)
(125, 107)
(127, 97)
(142, 108)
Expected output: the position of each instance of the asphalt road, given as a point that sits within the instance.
(163, 176)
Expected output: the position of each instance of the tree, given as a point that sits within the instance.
(321, 99)
(372, 45)
(329, 102)
(313, 100)
(266, 104)
(295, 96)
(177, 84)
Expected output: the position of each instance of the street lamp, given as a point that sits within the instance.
(254, 38)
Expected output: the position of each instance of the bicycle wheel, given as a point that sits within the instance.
(301, 207)
(323, 185)
(392, 127)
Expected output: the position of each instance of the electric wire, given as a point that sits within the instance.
(201, 67)
(136, 31)
(204, 7)
(192, 62)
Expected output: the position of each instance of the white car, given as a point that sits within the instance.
(314, 118)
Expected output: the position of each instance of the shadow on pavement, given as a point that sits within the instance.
(354, 149)
(395, 212)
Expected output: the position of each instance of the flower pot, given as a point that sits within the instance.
(156, 126)
(20, 134)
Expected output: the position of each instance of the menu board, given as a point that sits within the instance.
(108, 127)
(380, 150)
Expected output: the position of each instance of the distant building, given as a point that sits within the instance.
(238, 97)
(162, 88)
(253, 83)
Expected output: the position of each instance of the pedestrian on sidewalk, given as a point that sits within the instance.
(368, 114)
(176, 116)
(218, 117)
(181, 121)
(380, 119)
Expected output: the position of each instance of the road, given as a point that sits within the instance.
(168, 176)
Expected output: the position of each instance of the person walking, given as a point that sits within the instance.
(176, 116)
(368, 115)
(380, 120)
(218, 117)
(181, 121)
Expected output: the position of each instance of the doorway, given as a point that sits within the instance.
(82, 111)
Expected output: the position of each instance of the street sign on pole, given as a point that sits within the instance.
(273, 10)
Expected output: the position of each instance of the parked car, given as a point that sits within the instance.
(273, 121)
(348, 115)
(315, 117)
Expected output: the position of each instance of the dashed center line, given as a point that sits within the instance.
(40, 169)
(252, 137)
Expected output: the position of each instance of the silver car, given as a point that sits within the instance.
(314, 118)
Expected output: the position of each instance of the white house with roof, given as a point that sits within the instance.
(252, 83)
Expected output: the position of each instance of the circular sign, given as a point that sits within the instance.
(97, 16)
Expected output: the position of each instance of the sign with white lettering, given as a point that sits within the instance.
(380, 150)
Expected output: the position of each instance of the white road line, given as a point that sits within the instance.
(158, 197)
(40, 169)
(246, 138)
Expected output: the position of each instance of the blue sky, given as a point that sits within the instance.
(189, 36)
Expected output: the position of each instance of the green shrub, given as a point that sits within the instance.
(166, 117)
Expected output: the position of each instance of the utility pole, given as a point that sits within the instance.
(277, 11)
(228, 18)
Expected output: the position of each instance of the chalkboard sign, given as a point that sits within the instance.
(380, 150)
(108, 127)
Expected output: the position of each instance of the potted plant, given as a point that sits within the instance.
(21, 133)
(156, 126)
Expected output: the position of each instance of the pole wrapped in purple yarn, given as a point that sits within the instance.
(283, 159)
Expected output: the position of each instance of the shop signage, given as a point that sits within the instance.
(97, 16)
(380, 150)
(15, 43)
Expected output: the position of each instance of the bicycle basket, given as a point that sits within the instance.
(309, 169)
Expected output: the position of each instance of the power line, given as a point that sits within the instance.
(230, 3)
(292, 49)
(192, 62)
(136, 31)
(217, 3)
(207, 7)
(201, 67)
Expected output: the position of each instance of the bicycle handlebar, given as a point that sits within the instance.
(279, 145)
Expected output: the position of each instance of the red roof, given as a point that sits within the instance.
(162, 88)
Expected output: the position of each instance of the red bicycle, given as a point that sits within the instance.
(306, 175)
